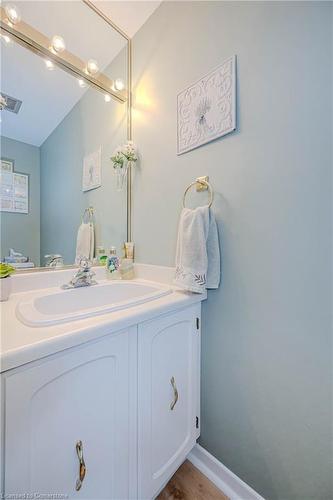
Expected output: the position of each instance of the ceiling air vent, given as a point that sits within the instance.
(12, 104)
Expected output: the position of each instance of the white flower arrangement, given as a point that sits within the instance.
(126, 153)
(129, 151)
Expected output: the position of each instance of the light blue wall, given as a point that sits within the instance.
(21, 231)
(90, 124)
(267, 336)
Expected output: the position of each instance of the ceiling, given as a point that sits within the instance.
(128, 15)
(48, 96)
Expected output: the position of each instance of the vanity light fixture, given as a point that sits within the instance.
(92, 67)
(58, 44)
(49, 65)
(82, 83)
(12, 13)
(119, 84)
(107, 98)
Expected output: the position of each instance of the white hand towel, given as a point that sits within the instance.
(85, 242)
(198, 253)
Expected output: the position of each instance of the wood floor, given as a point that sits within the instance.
(190, 484)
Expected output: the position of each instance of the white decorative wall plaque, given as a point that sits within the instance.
(207, 109)
(92, 177)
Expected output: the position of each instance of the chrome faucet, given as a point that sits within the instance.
(83, 277)
(54, 260)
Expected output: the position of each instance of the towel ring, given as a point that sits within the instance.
(204, 185)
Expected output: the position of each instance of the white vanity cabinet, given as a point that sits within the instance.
(131, 398)
(169, 388)
(82, 395)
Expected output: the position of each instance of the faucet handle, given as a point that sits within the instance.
(85, 267)
(83, 276)
(54, 260)
(84, 264)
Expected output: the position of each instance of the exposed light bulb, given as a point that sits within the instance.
(49, 65)
(81, 83)
(12, 13)
(119, 84)
(58, 44)
(107, 98)
(92, 67)
(6, 39)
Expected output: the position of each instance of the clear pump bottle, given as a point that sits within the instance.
(112, 265)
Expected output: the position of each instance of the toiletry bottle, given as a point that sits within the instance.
(112, 265)
(129, 249)
(126, 266)
(101, 256)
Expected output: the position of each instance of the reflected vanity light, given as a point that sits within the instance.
(12, 13)
(107, 98)
(58, 44)
(49, 65)
(81, 83)
(92, 67)
(118, 84)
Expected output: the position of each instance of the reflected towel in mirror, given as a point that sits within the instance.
(85, 243)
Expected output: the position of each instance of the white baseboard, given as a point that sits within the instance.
(231, 485)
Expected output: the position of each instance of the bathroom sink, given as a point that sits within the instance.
(61, 306)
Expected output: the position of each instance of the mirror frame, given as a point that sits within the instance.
(69, 68)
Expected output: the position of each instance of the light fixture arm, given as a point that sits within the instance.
(39, 44)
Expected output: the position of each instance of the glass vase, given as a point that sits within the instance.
(121, 175)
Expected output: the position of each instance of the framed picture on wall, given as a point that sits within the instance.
(7, 165)
(14, 192)
(92, 177)
(207, 109)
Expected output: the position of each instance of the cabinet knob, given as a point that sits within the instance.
(175, 393)
(82, 465)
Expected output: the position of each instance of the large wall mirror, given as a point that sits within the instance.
(64, 98)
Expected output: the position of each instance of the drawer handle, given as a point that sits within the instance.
(175, 393)
(82, 465)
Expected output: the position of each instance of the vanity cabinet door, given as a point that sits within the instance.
(82, 395)
(168, 397)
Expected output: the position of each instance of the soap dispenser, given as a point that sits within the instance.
(112, 265)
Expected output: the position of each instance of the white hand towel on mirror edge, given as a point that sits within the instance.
(85, 242)
(198, 253)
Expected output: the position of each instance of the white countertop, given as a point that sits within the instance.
(20, 344)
